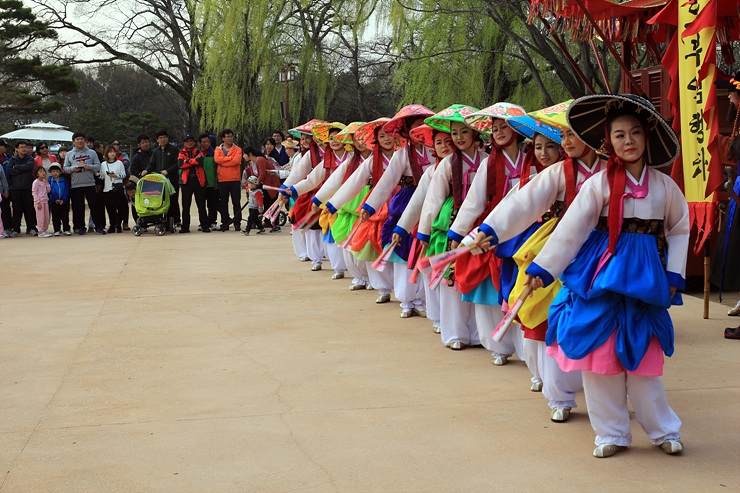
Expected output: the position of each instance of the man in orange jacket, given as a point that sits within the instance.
(228, 158)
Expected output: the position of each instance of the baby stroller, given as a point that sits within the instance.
(152, 201)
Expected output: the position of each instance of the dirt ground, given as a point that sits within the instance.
(219, 362)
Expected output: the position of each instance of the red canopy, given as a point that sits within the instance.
(619, 21)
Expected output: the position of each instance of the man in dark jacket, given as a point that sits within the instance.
(142, 157)
(20, 179)
(164, 161)
(5, 210)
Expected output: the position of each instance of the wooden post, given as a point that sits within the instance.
(601, 67)
(706, 275)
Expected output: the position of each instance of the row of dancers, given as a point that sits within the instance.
(566, 218)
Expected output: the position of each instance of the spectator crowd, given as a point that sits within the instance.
(38, 189)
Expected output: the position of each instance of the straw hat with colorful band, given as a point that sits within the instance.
(305, 129)
(290, 143)
(482, 120)
(397, 124)
(366, 133)
(587, 118)
(455, 113)
(526, 124)
(555, 116)
(345, 136)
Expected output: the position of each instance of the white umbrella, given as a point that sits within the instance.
(48, 132)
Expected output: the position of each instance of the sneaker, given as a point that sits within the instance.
(100, 231)
(82, 232)
(67, 233)
(57, 233)
(184, 231)
(200, 228)
(207, 230)
(111, 230)
(90, 229)
(214, 226)
(126, 227)
(735, 311)
(45, 235)
(246, 233)
(33, 232)
(261, 232)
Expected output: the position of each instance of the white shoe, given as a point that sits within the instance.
(419, 312)
(406, 313)
(536, 387)
(607, 450)
(316, 267)
(44, 234)
(734, 311)
(437, 330)
(57, 233)
(67, 233)
(560, 414)
(500, 360)
(338, 275)
(672, 446)
(456, 346)
(369, 287)
(357, 287)
(383, 299)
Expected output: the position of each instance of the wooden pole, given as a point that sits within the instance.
(287, 100)
(706, 275)
(601, 67)
(570, 59)
(609, 46)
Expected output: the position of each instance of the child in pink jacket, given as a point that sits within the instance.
(40, 191)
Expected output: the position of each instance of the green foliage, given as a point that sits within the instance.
(25, 83)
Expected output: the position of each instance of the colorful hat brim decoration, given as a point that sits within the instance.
(555, 116)
(346, 135)
(587, 118)
(322, 130)
(526, 125)
(424, 134)
(482, 120)
(455, 113)
(366, 133)
(306, 128)
(396, 124)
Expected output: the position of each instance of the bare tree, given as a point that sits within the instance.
(159, 37)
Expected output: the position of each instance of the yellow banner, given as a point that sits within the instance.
(693, 93)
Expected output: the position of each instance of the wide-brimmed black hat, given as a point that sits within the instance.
(587, 118)
(732, 84)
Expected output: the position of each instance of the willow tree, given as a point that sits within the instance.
(477, 52)
(237, 36)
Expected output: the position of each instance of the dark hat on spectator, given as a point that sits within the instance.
(732, 83)
(3, 143)
(188, 136)
(55, 165)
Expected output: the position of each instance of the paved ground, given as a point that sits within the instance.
(221, 363)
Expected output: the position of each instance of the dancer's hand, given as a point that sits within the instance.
(454, 245)
(396, 238)
(534, 283)
(314, 210)
(480, 242)
(364, 215)
(673, 291)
